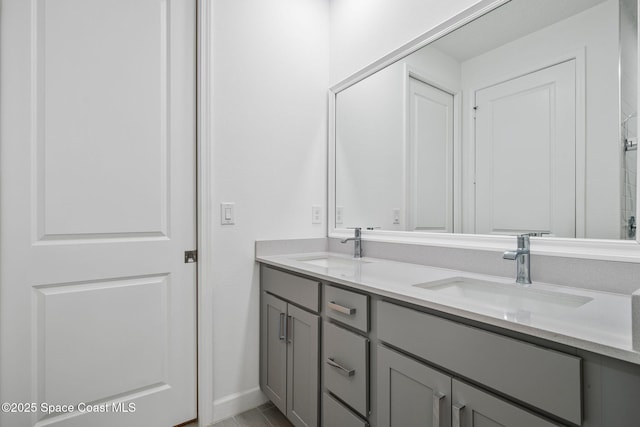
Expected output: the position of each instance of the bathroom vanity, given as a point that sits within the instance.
(372, 342)
(505, 120)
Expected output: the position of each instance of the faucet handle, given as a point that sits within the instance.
(357, 231)
(523, 241)
(539, 233)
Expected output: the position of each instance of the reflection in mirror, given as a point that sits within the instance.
(524, 120)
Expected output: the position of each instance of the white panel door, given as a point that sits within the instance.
(525, 154)
(430, 158)
(97, 206)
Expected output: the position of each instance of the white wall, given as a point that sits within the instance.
(272, 70)
(369, 154)
(271, 75)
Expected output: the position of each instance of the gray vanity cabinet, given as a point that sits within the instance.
(289, 346)
(411, 393)
(386, 362)
(473, 407)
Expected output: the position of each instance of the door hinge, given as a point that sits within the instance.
(190, 256)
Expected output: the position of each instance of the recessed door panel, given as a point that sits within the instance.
(101, 95)
(87, 329)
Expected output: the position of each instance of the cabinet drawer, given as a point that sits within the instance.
(544, 378)
(301, 291)
(335, 414)
(350, 308)
(346, 366)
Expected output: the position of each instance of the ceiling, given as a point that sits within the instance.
(509, 22)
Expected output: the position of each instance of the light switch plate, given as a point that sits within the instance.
(227, 213)
(339, 212)
(396, 216)
(316, 214)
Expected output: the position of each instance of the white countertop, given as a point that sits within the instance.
(602, 325)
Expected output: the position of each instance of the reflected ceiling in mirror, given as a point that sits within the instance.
(517, 122)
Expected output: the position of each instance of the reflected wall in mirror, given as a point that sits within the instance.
(523, 120)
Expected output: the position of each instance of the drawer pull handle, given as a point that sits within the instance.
(341, 309)
(457, 414)
(289, 330)
(344, 371)
(437, 400)
(281, 328)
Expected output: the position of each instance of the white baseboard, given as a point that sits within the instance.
(237, 403)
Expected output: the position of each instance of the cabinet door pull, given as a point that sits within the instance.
(281, 328)
(457, 415)
(344, 371)
(437, 400)
(341, 308)
(289, 331)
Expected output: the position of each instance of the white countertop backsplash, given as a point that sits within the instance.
(603, 325)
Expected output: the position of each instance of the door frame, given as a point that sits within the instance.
(205, 223)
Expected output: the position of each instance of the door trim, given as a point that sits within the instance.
(456, 199)
(204, 183)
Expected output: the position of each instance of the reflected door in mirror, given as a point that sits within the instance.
(430, 158)
(525, 154)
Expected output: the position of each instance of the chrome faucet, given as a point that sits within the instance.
(521, 257)
(357, 242)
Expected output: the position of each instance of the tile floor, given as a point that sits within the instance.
(265, 415)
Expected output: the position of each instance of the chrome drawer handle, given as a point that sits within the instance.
(344, 371)
(341, 308)
(437, 400)
(457, 414)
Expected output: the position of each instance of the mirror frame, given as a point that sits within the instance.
(597, 249)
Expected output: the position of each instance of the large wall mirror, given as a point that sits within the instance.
(523, 120)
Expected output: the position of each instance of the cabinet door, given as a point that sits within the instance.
(273, 351)
(302, 369)
(410, 393)
(475, 408)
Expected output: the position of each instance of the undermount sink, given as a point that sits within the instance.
(328, 261)
(504, 295)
